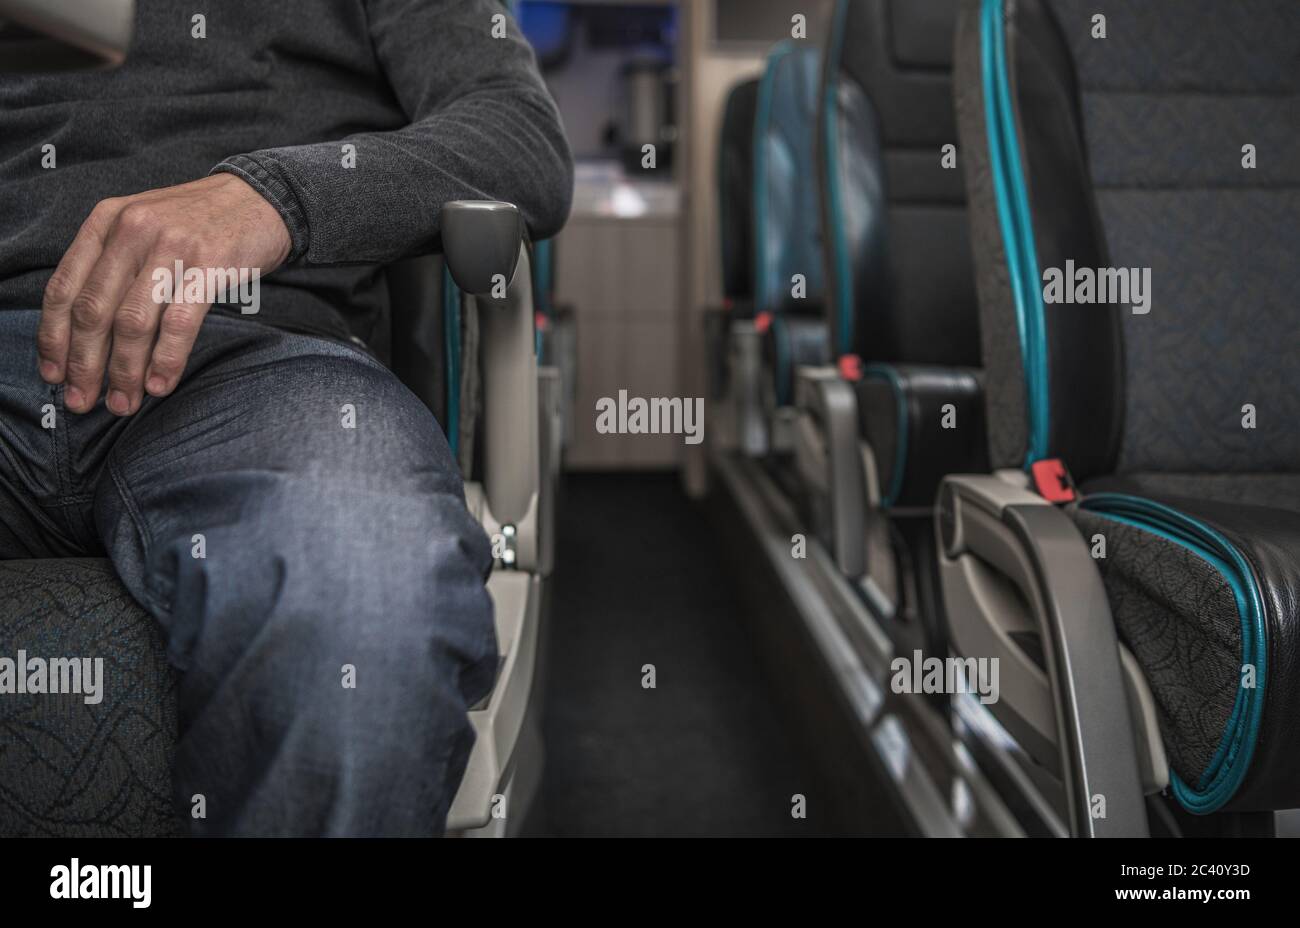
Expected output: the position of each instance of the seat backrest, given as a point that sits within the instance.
(901, 283)
(418, 326)
(735, 170)
(786, 212)
(1160, 136)
(432, 349)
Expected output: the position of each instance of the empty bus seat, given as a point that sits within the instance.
(901, 282)
(1122, 140)
(900, 305)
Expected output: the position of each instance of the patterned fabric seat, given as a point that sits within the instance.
(69, 768)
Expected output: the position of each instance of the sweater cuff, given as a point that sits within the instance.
(277, 193)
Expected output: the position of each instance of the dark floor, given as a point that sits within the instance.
(640, 580)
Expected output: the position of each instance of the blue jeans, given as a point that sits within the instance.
(321, 587)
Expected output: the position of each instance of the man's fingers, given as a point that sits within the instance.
(135, 326)
(52, 336)
(92, 315)
(99, 310)
(176, 335)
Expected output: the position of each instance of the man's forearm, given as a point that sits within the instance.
(483, 127)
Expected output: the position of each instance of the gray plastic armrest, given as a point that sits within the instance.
(487, 257)
(832, 407)
(1037, 548)
(498, 722)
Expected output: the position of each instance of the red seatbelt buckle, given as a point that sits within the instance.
(850, 366)
(1053, 481)
(763, 322)
(541, 321)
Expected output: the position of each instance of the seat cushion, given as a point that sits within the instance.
(922, 422)
(1204, 592)
(68, 768)
(792, 340)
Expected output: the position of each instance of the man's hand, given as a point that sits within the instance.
(100, 309)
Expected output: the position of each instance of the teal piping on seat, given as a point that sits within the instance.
(762, 117)
(451, 342)
(830, 148)
(542, 275)
(888, 374)
(1231, 761)
(1016, 222)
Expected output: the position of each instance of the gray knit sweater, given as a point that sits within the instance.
(437, 107)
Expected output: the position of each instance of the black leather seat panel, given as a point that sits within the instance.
(921, 422)
(736, 194)
(1272, 491)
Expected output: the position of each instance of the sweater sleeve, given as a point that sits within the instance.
(483, 126)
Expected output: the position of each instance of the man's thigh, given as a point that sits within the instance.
(293, 517)
(278, 447)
